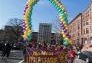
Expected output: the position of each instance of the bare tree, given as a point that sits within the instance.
(15, 25)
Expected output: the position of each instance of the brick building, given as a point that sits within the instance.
(87, 25)
(80, 28)
(74, 29)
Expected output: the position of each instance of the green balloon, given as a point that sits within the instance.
(59, 10)
(29, 37)
(51, 0)
(65, 42)
(29, 33)
(54, 4)
(65, 18)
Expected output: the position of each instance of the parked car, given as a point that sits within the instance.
(86, 56)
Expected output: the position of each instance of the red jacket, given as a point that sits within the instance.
(72, 54)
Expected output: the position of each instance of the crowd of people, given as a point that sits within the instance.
(57, 49)
(53, 47)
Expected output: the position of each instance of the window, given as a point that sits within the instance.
(78, 25)
(87, 31)
(85, 41)
(84, 31)
(91, 40)
(83, 22)
(86, 22)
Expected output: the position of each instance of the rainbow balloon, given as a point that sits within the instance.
(61, 13)
(27, 18)
(63, 20)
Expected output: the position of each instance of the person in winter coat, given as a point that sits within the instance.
(7, 49)
(72, 55)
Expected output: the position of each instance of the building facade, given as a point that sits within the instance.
(87, 25)
(56, 37)
(2, 35)
(74, 29)
(35, 36)
(80, 27)
(44, 32)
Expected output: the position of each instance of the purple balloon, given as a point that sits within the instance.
(26, 7)
(25, 10)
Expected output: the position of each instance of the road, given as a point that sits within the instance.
(16, 56)
(5, 60)
(79, 61)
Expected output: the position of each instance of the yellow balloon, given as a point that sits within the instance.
(60, 17)
(61, 6)
(63, 35)
(25, 17)
(30, 3)
(30, 31)
(66, 26)
(28, 11)
(25, 35)
(26, 25)
(62, 20)
(27, 28)
(66, 38)
(26, 21)
(64, 23)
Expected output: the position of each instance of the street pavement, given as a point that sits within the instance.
(79, 61)
(5, 60)
(16, 56)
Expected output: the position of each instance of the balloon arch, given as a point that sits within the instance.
(62, 18)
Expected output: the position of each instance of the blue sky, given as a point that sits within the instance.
(43, 11)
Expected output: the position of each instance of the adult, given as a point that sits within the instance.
(7, 49)
(71, 54)
(3, 48)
